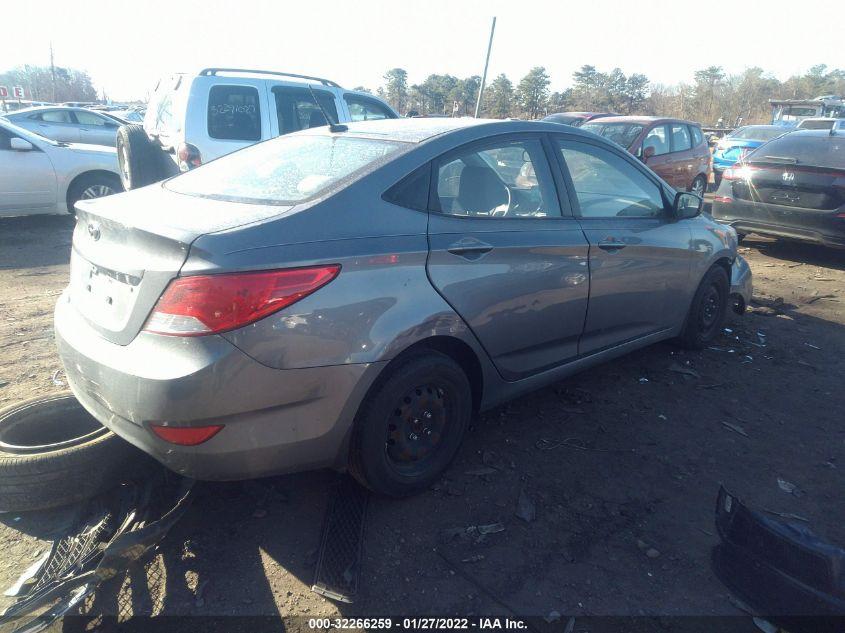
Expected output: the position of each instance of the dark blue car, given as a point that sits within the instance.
(741, 141)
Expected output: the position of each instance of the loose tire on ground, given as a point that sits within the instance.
(93, 185)
(382, 456)
(54, 453)
(707, 310)
(139, 159)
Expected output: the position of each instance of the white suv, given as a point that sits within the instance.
(192, 119)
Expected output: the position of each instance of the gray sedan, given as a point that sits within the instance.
(349, 297)
(67, 124)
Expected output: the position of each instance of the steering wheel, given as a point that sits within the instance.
(503, 209)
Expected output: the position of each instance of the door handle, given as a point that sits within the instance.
(470, 248)
(611, 245)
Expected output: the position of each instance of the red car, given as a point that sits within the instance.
(675, 149)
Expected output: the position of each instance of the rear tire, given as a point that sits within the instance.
(411, 425)
(54, 453)
(139, 159)
(90, 186)
(707, 311)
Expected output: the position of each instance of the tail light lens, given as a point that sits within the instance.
(210, 304)
(189, 156)
(186, 435)
(738, 172)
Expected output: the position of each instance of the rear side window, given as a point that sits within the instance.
(412, 191)
(697, 136)
(297, 110)
(285, 170)
(89, 118)
(798, 148)
(234, 113)
(680, 137)
(363, 109)
(54, 116)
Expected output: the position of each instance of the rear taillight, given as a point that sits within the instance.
(186, 435)
(738, 172)
(210, 304)
(189, 156)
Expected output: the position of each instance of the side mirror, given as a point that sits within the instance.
(20, 145)
(687, 206)
(648, 152)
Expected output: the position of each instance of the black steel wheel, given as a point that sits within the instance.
(411, 424)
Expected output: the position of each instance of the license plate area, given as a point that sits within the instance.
(103, 296)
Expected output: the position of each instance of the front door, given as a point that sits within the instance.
(27, 178)
(639, 255)
(504, 255)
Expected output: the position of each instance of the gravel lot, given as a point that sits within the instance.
(624, 527)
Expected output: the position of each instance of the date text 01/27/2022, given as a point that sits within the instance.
(419, 624)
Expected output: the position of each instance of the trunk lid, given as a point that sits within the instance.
(790, 185)
(127, 248)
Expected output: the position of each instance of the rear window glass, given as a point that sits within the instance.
(799, 149)
(622, 133)
(233, 113)
(756, 133)
(285, 170)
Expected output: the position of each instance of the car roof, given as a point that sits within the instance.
(642, 119)
(45, 108)
(419, 130)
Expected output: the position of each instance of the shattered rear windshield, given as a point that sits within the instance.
(285, 170)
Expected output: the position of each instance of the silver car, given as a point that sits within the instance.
(349, 297)
(38, 175)
(67, 124)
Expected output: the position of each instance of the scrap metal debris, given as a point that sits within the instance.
(735, 428)
(111, 533)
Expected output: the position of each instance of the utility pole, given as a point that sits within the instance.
(53, 71)
(484, 76)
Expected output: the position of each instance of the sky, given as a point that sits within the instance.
(126, 46)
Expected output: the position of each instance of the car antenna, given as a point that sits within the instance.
(334, 126)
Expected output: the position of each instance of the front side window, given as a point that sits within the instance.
(285, 170)
(506, 180)
(89, 118)
(297, 110)
(234, 113)
(363, 109)
(680, 137)
(608, 186)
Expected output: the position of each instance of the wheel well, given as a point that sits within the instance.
(87, 174)
(459, 352)
(725, 263)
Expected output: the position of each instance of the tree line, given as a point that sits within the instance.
(713, 96)
(58, 84)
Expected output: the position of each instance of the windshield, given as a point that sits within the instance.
(622, 133)
(756, 133)
(798, 149)
(285, 170)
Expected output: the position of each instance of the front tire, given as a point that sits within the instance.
(707, 311)
(411, 425)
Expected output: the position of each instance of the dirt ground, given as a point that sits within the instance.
(658, 431)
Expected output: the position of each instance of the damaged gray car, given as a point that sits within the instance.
(349, 296)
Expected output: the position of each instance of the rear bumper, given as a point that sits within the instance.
(742, 285)
(274, 420)
(751, 217)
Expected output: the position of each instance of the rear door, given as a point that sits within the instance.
(639, 255)
(660, 162)
(234, 116)
(504, 254)
(58, 125)
(683, 158)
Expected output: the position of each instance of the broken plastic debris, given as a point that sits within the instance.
(786, 486)
(643, 380)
